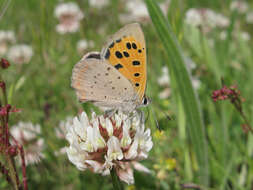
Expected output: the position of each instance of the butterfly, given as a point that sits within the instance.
(115, 78)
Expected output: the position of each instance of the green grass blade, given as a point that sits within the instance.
(183, 82)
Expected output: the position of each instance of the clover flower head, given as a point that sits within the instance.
(69, 15)
(7, 37)
(103, 142)
(98, 3)
(20, 54)
(26, 134)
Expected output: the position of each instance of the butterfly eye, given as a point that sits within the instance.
(145, 101)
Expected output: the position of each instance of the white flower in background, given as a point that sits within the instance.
(20, 54)
(98, 3)
(164, 6)
(207, 19)
(193, 17)
(69, 15)
(222, 21)
(61, 131)
(249, 18)
(136, 11)
(7, 37)
(83, 45)
(104, 142)
(245, 36)
(165, 93)
(240, 6)
(164, 79)
(223, 35)
(26, 134)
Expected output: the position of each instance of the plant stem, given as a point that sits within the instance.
(115, 180)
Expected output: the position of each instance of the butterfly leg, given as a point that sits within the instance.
(110, 113)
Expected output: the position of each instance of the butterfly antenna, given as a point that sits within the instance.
(154, 116)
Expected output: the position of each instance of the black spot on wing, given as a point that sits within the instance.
(137, 84)
(134, 45)
(119, 40)
(118, 54)
(111, 45)
(135, 63)
(107, 54)
(139, 51)
(136, 74)
(128, 45)
(126, 54)
(118, 66)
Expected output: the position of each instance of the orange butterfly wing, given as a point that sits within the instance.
(126, 51)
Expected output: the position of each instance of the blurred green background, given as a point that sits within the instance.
(41, 89)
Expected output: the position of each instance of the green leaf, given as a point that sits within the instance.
(182, 80)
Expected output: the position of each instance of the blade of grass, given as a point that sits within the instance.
(187, 94)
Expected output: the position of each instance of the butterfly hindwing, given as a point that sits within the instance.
(97, 81)
(126, 51)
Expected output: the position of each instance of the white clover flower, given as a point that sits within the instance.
(98, 3)
(193, 17)
(104, 142)
(69, 15)
(249, 18)
(26, 134)
(61, 131)
(245, 36)
(207, 19)
(240, 6)
(83, 45)
(20, 54)
(164, 79)
(7, 37)
(222, 21)
(136, 11)
(165, 93)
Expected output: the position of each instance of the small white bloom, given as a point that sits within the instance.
(105, 142)
(165, 93)
(109, 126)
(61, 130)
(245, 36)
(98, 3)
(26, 134)
(20, 54)
(137, 11)
(7, 37)
(142, 144)
(69, 15)
(193, 17)
(240, 6)
(164, 79)
(114, 151)
(249, 18)
(222, 21)
(207, 19)
(83, 45)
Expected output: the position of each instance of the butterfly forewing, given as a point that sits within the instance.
(126, 52)
(97, 81)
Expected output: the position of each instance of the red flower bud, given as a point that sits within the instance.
(12, 150)
(2, 85)
(4, 63)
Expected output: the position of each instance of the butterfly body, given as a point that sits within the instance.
(114, 79)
